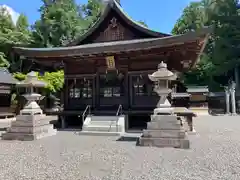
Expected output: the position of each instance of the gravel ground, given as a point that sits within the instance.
(214, 155)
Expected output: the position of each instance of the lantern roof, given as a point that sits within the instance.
(162, 73)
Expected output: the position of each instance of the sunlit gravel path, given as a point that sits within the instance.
(214, 155)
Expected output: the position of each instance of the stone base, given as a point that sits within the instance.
(164, 142)
(28, 137)
(164, 131)
(163, 110)
(30, 127)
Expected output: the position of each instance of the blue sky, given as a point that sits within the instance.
(159, 15)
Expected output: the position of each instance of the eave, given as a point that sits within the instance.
(117, 46)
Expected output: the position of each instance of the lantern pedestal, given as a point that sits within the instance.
(164, 129)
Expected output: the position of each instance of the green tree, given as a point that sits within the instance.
(6, 29)
(91, 11)
(11, 35)
(60, 23)
(226, 37)
(193, 17)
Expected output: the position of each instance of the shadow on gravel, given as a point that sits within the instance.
(69, 130)
(127, 139)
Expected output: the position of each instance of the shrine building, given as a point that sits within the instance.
(106, 69)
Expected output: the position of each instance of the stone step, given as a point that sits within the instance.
(30, 123)
(104, 118)
(162, 126)
(27, 137)
(100, 128)
(164, 142)
(31, 117)
(94, 133)
(164, 133)
(162, 123)
(38, 129)
(169, 118)
(103, 122)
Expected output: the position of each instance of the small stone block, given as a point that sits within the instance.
(27, 137)
(164, 142)
(26, 123)
(164, 133)
(31, 117)
(157, 125)
(39, 129)
(163, 118)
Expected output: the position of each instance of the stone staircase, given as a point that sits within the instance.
(109, 125)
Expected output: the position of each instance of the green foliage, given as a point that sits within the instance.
(222, 51)
(3, 61)
(60, 23)
(19, 76)
(10, 35)
(91, 12)
(193, 17)
(226, 37)
(54, 80)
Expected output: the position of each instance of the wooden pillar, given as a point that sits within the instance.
(94, 90)
(126, 89)
(130, 90)
(97, 100)
(66, 93)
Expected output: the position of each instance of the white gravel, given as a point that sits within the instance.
(214, 155)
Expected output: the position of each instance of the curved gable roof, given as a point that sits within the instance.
(113, 5)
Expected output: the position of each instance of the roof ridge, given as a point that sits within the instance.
(112, 4)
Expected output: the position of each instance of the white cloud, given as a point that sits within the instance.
(13, 13)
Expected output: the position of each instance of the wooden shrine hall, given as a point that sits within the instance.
(106, 69)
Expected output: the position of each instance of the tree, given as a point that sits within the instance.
(226, 36)
(91, 11)
(60, 23)
(193, 17)
(221, 55)
(11, 35)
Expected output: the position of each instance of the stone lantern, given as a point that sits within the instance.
(31, 123)
(31, 81)
(164, 129)
(161, 79)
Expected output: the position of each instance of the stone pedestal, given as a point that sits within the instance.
(30, 127)
(164, 131)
